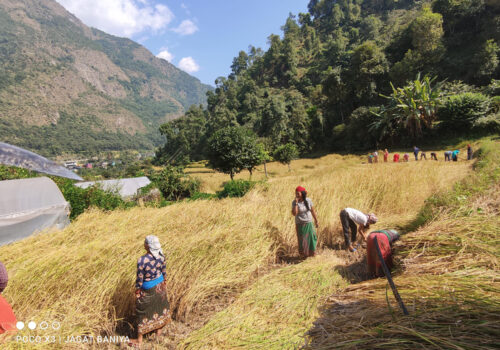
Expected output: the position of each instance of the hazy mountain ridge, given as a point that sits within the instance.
(57, 74)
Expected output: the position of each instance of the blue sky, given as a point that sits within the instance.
(199, 36)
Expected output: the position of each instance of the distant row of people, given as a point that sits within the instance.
(353, 221)
(448, 155)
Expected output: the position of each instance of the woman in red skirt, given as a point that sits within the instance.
(385, 239)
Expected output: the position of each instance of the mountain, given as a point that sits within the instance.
(69, 88)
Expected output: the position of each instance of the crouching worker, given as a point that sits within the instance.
(349, 218)
(7, 318)
(385, 239)
(151, 306)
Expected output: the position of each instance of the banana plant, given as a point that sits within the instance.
(412, 107)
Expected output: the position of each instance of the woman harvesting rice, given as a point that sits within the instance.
(152, 307)
(303, 210)
(385, 239)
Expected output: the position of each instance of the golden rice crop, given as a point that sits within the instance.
(83, 276)
(448, 276)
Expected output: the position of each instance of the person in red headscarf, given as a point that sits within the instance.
(303, 210)
(7, 318)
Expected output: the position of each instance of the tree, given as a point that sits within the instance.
(286, 153)
(264, 156)
(184, 136)
(240, 64)
(486, 60)
(253, 154)
(232, 149)
(427, 32)
(427, 49)
(368, 65)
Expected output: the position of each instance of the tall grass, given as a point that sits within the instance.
(83, 276)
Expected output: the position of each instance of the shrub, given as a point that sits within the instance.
(83, 198)
(174, 184)
(495, 104)
(236, 188)
(494, 88)
(462, 110)
(489, 123)
(12, 173)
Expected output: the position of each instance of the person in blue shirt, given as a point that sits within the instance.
(415, 152)
(447, 155)
(454, 155)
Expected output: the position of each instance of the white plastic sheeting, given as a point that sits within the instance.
(124, 187)
(16, 156)
(30, 205)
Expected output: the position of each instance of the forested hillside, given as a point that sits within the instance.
(326, 82)
(65, 87)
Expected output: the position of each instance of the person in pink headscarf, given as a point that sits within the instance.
(303, 210)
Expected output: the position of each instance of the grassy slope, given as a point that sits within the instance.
(216, 251)
(448, 275)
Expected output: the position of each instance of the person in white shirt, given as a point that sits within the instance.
(349, 218)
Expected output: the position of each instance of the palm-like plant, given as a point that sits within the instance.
(412, 107)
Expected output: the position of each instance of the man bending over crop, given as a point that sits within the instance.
(349, 218)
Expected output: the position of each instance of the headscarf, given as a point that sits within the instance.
(4, 278)
(300, 189)
(154, 246)
(372, 218)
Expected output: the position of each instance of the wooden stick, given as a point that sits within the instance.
(389, 278)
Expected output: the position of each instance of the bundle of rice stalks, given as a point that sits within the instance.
(450, 311)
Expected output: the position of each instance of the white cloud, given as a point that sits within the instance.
(186, 27)
(188, 64)
(120, 17)
(167, 56)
